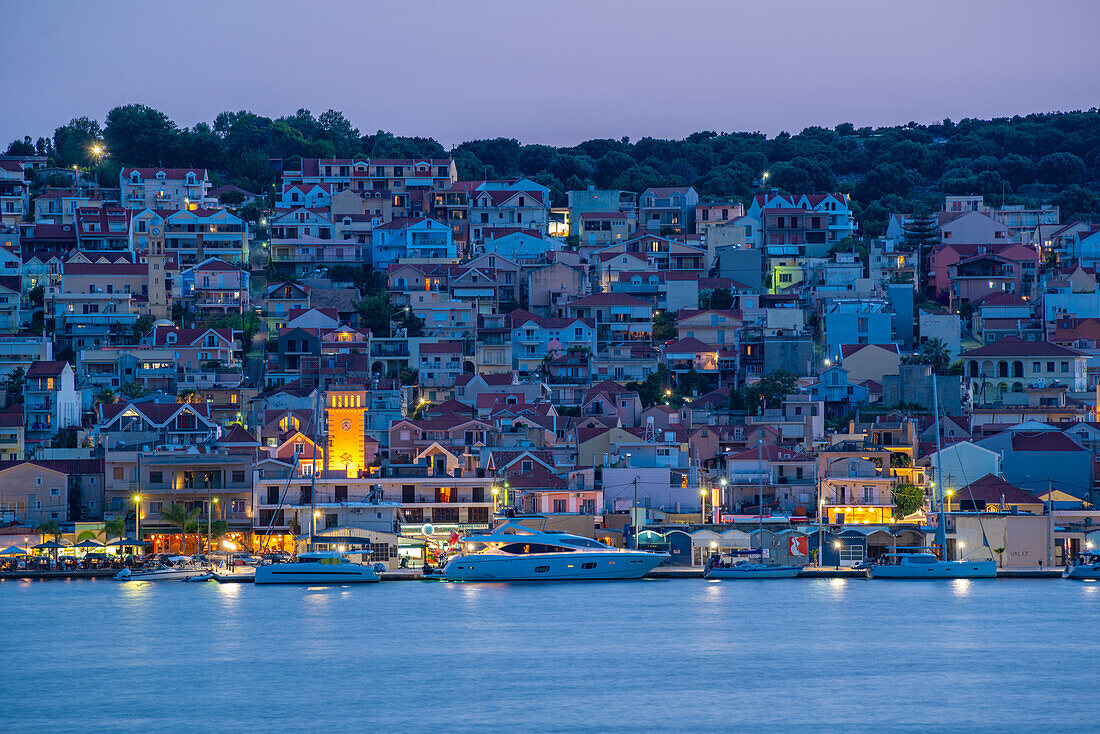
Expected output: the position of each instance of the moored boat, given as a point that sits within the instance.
(515, 552)
(1085, 566)
(319, 567)
(180, 568)
(718, 568)
(923, 563)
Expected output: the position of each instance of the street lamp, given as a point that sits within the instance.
(703, 510)
(137, 519)
(836, 546)
(496, 492)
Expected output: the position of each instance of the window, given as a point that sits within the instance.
(118, 472)
(55, 491)
(238, 506)
(156, 477)
(156, 507)
(1065, 367)
(1050, 366)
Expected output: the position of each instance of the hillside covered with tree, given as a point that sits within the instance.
(1039, 158)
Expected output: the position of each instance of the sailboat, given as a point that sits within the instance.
(317, 567)
(923, 562)
(755, 568)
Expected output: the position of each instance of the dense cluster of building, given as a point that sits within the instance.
(605, 361)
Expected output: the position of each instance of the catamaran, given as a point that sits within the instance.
(515, 552)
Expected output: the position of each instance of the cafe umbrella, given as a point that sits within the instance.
(13, 550)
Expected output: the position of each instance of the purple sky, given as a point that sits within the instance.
(551, 71)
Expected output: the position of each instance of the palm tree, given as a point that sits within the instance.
(218, 529)
(115, 527)
(934, 352)
(50, 527)
(178, 515)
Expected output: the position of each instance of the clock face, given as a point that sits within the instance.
(346, 425)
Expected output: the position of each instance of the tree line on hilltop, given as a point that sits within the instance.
(1033, 159)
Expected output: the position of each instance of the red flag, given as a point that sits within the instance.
(454, 537)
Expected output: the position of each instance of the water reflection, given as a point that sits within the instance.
(961, 587)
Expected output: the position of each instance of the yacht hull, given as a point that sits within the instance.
(315, 573)
(773, 572)
(172, 575)
(1083, 572)
(936, 570)
(553, 567)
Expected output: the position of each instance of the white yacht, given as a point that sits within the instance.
(515, 552)
(922, 563)
(319, 567)
(1086, 566)
(179, 568)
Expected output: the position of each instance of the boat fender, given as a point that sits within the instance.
(379, 568)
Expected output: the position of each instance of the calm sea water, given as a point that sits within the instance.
(675, 655)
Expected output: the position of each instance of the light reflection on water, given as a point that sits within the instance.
(676, 655)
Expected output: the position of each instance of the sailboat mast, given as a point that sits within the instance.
(760, 472)
(941, 526)
(313, 474)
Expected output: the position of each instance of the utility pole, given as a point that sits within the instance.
(1050, 523)
(634, 513)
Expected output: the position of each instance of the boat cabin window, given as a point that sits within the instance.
(520, 549)
(582, 542)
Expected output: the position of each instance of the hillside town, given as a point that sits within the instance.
(375, 352)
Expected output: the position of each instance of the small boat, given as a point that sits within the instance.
(180, 568)
(718, 568)
(515, 552)
(320, 567)
(1085, 566)
(923, 563)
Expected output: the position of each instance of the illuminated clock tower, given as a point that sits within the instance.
(346, 414)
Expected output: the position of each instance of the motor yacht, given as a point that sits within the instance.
(719, 568)
(515, 552)
(178, 568)
(1085, 566)
(922, 563)
(320, 567)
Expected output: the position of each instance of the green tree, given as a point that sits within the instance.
(178, 515)
(134, 389)
(770, 389)
(106, 396)
(14, 390)
(49, 528)
(141, 136)
(115, 527)
(664, 327)
(142, 326)
(21, 147)
(72, 143)
(908, 498)
(933, 352)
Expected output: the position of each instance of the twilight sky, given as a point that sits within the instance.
(551, 71)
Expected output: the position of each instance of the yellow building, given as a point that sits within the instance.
(346, 414)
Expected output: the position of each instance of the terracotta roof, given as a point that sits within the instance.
(46, 369)
(441, 348)
(993, 489)
(1013, 346)
(689, 344)
(1044, 441)
(847, 350)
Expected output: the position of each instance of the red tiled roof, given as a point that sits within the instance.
(847, 350)
(993, 489)
(1044, 441)
(46, 369)
(1012, 346)
(441, 348)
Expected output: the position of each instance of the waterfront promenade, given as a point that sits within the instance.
(664, 572)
